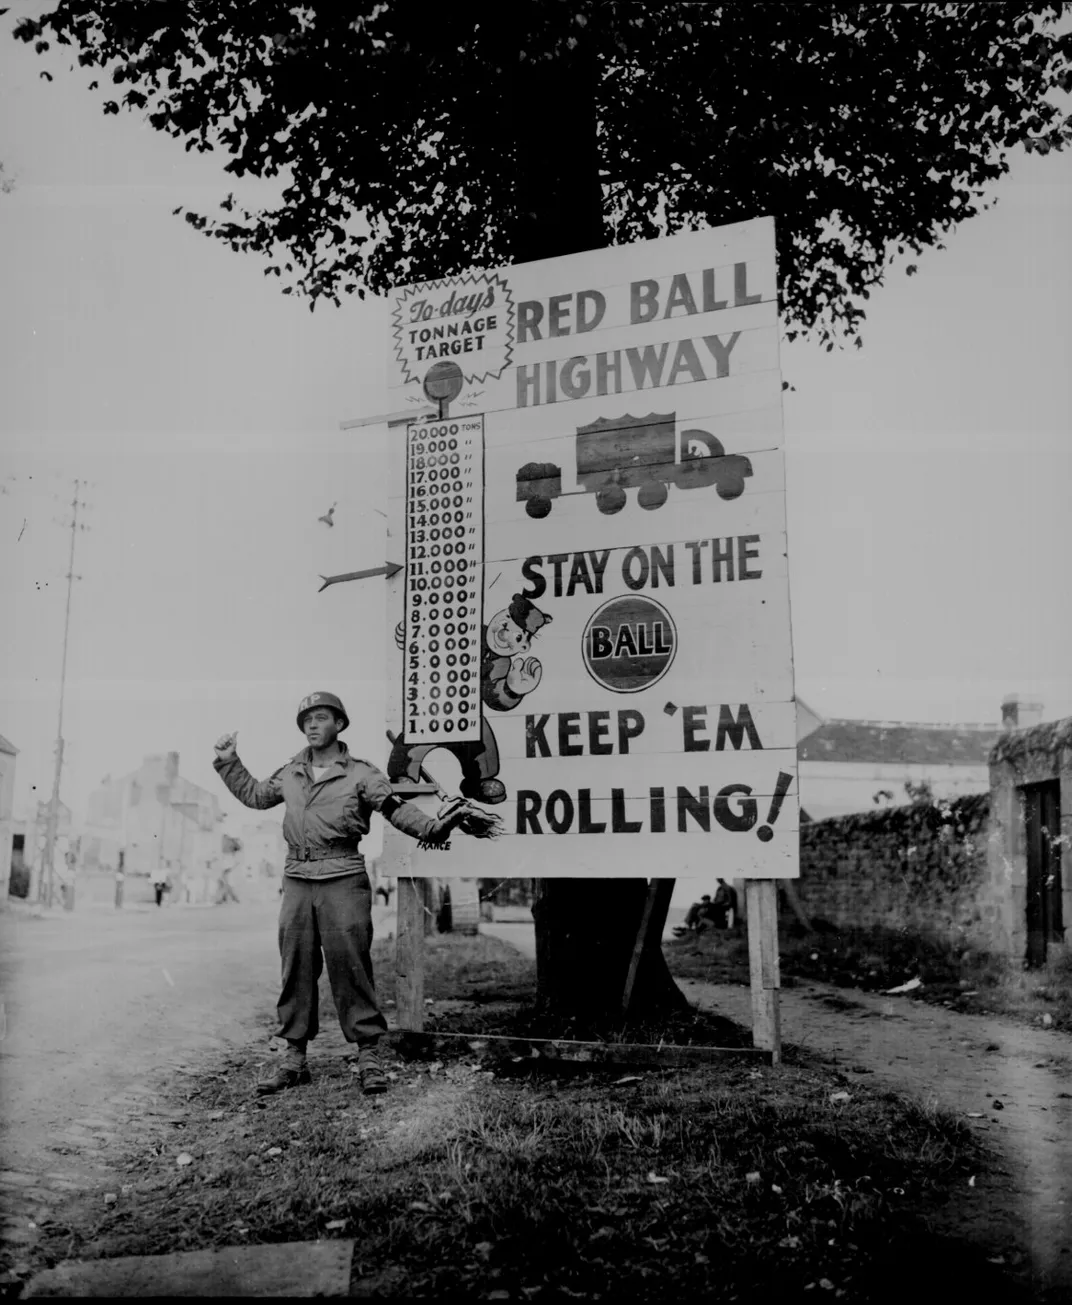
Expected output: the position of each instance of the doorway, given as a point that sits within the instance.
(1042, 825)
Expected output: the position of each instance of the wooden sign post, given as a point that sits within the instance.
(761, 898)
(592, 620)
(409, 954)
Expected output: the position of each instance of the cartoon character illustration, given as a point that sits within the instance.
(636, 452)
(508, 672)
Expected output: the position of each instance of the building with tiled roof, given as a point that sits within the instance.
(845, 765)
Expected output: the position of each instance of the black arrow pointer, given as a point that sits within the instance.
(388, 570)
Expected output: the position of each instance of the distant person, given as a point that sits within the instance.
(160, 883)
(724, 912)
(445, 914)
(120, 878)
(224, 892)
(696, 917)
(326, 910)
(698, 912)
(71, 860)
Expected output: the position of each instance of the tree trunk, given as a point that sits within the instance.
(558, 196)
(586, 929)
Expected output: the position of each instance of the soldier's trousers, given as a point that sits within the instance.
(328, 922)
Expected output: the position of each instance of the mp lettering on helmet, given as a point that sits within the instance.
(320, 699)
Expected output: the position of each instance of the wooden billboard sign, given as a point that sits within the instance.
(591, 633)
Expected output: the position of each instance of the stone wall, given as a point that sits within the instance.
(923, 867)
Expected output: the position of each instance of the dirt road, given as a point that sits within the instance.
(1013, 1084)
(99, 1009)
(94, 1001)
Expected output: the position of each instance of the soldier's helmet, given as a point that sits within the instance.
(314, 700)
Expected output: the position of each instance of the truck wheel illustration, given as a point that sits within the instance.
(610, 499)
(653, 495)
(537, 484)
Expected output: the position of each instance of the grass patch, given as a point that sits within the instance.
(727, 1180)
(475, 968)
(875, 959)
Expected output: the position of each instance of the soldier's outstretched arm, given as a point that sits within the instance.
(377, 790)
(257, 793)
(432, 831)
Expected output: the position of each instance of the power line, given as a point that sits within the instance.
(45, 888)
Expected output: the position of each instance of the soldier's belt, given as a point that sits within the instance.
(328, 852)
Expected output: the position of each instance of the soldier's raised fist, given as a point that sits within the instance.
(227, 746)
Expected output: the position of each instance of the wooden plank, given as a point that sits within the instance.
(635, 774)
(683, 348)
(752, 421)
(611, 1054)
(681, 573)
(755, 348)
(640, 945)
(593, 723)
(649, 935)
(690, 681)
(388, 418)
(610, 855)
(574, 521)
(761, 898)
(319, 1268)
(409, 954)
(661, 910)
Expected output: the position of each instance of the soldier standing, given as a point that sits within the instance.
(326, 910)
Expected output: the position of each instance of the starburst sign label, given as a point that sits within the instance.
(467, 320)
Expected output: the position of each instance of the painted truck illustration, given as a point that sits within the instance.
(635, 453)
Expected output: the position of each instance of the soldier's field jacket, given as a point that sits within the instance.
(326, 818)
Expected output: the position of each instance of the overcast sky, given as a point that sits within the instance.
(928, 474)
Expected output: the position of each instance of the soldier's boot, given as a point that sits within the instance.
(371, 1071)
(293, 1072)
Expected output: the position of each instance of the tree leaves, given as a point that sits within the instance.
(418, 150)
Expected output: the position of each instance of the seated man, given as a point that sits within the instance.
(697, 914)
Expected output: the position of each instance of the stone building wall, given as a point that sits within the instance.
(1028, 756)
(921, 867)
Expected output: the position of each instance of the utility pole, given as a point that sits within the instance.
(46, 887)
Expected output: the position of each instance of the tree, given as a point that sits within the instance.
(417, 147)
